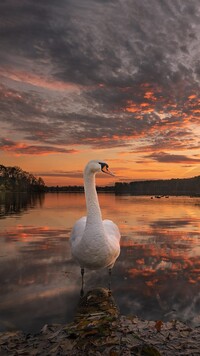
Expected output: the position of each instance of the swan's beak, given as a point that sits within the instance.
(107, 171)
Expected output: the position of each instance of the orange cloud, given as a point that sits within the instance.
(39, 81)
(150, 95)
(192, 96)
(196, 111)
(144, 104)
(138, 108)
(19, 148)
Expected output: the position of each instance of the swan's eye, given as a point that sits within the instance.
(104, 166)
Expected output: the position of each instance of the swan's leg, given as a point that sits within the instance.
(82, 283)
(109, 282)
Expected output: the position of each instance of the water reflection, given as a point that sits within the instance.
(17, 203)
(156, 277)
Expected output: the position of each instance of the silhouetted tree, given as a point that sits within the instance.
(15, 179)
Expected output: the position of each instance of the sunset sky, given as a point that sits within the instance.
(114, 80)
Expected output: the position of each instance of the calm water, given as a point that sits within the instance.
(157, 275)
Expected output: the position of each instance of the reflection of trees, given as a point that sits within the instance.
(16, 203)
(17, 180)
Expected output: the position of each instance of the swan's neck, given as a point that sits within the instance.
(92, 203)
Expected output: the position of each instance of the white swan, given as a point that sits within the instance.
(95, 243)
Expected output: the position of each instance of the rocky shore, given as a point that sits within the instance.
(100, 329)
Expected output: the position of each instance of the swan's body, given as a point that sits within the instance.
(95, 243)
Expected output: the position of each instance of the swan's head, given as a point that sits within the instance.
(96, 166)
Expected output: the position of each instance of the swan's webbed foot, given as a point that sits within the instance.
(82, 283)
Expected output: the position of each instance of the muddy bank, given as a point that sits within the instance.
(99, 329)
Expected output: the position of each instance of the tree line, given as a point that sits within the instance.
(16, 180)
(186, 186)
(78, 189)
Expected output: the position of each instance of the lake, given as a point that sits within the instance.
(156, 277)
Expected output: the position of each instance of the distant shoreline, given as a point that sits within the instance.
(126, 194)
(155, 188)
(100, 191)
(15, 180)
(160, 188)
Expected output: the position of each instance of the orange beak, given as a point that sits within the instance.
(107, 171)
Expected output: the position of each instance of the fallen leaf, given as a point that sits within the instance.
(158, 325)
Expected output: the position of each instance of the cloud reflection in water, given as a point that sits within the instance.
(156, 277)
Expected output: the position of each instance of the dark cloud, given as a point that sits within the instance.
(125, 43)
(136, 65)
(46, 122)
(108, 42)
(24, 31)
(58, 121)
(170, 139)
(172, 158)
